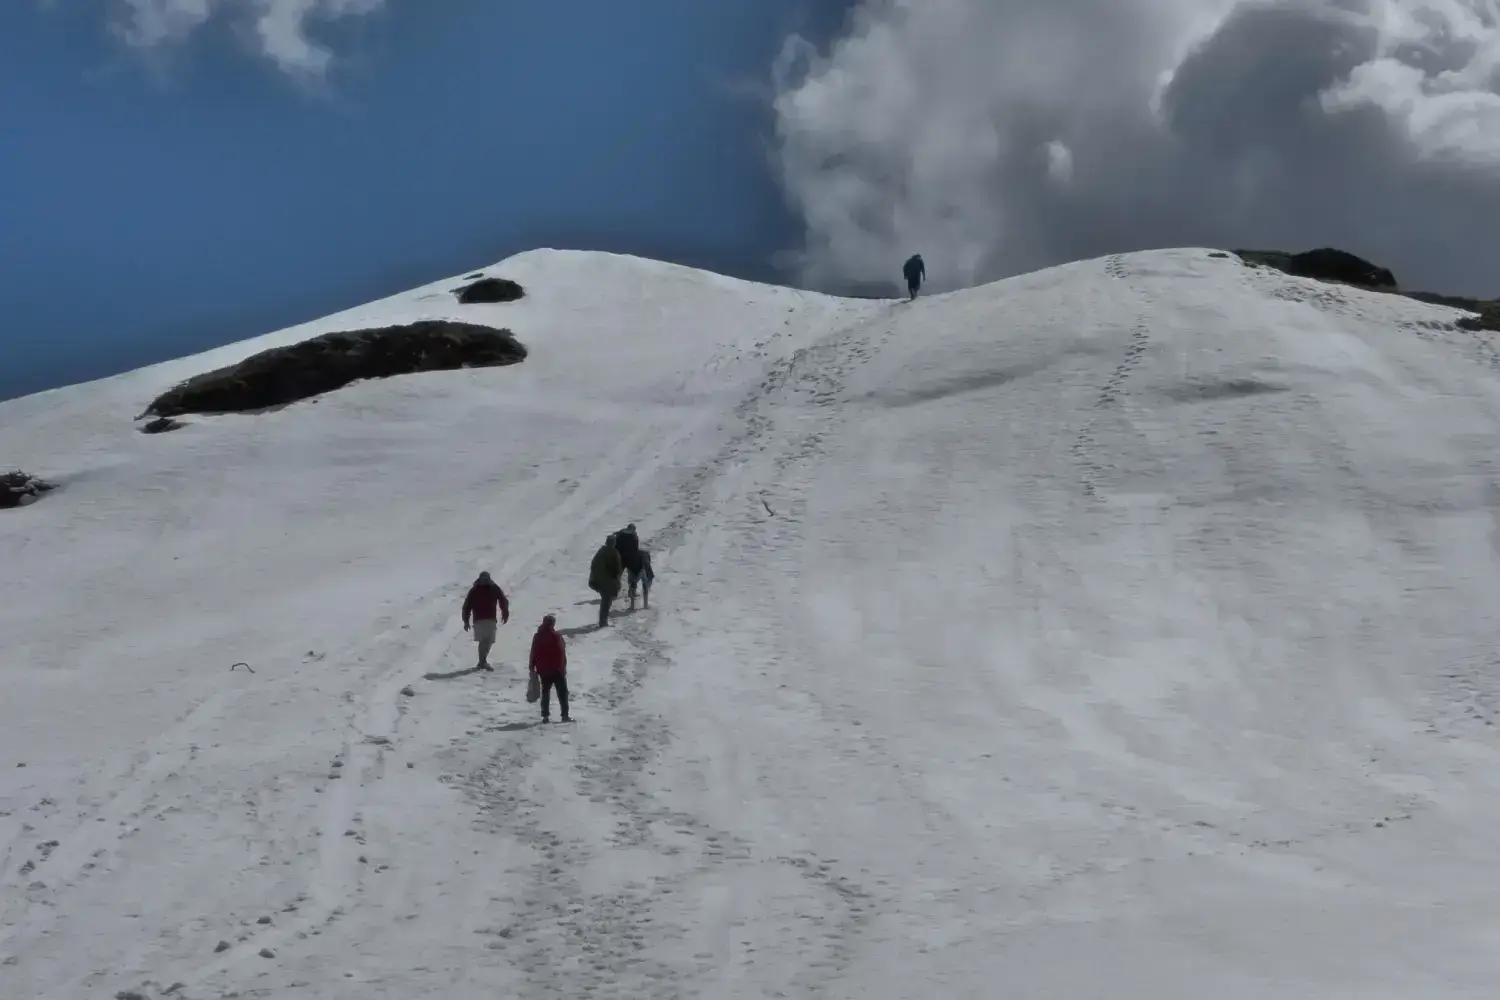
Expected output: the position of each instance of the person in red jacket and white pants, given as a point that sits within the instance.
(549, 661)
(485, 598)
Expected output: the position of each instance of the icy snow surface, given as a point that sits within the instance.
(1123, 630)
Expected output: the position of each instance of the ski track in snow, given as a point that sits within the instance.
(1062, 637)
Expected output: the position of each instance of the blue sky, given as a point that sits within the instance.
(162, 202)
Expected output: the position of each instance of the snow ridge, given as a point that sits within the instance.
(1122, 629)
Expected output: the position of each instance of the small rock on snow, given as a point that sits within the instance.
(221, 946)
(267, 953)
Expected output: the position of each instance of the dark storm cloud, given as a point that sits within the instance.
(1000, 135)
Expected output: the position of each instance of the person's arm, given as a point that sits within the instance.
(468, 607)
(504, 605)
(562, 652)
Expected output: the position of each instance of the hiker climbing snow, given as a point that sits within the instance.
(484, 599)
(637, 563)
(915, 271)
(549, 664)
(604, 577)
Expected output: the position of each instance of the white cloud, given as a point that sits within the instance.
(1059, 163)
(998, 135)
(154, 22)
(280, 27)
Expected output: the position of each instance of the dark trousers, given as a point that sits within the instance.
(605, 600)
(561, 683)
(911, 287)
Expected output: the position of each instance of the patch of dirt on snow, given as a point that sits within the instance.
(18, 489)
(284, 375)
(490, 290)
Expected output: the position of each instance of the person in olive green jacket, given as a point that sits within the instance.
(604, 577)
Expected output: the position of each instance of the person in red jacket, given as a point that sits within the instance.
(549, 661)
(485, 597)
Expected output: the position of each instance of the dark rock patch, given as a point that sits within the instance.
(19, 489)
(1207, 392)
(1338, 266)
(1328, 264)
(489, 290)
(161, 425)
(1219, 253)
(476, 274)
(284, 375)
(1486, 311)
(1324, 264)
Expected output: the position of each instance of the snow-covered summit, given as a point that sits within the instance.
(1122, 629)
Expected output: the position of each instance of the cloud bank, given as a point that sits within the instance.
(280, 28)
(996, 136)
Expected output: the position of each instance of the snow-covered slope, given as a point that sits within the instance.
(1120, 630)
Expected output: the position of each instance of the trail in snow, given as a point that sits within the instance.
(1117, 630)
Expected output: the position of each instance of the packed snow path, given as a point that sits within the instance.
(1120, 630)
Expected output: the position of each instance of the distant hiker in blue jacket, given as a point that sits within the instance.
(915, 271)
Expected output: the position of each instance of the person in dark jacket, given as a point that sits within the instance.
(604, 577)
(484, 599)
(636, 562)
(549, 661)
(915, 271)
(628, 544)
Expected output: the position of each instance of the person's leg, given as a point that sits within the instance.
(635, 580)
(484, 634)
(547, 698)
(562, 696)
(605, 599)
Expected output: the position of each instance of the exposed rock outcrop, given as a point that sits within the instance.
(1328, 264)
(1325, 264)
(18, 489)
(285, 375)
(489, 290)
